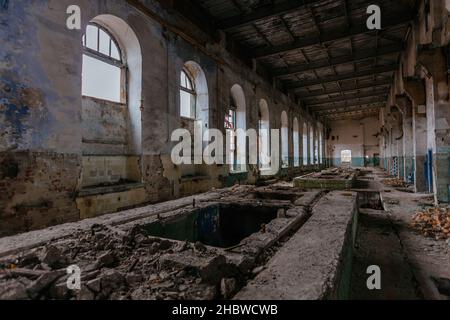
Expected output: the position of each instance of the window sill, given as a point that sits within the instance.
(94, 191)
(194, 178)
(104, 100)
(237, 172)
(188, 119)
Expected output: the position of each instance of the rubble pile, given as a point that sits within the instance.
(114, 265)
(395, 183)
(434, 222)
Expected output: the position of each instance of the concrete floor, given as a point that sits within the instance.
(378, 244)
(320, 248)
(409, 262)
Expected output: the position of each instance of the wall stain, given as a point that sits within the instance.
(16, 105)
(4, 4)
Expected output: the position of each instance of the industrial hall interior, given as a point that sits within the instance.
(224, 150)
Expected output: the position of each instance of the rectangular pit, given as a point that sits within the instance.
(331, 180)
(220, 225)
(370, 200)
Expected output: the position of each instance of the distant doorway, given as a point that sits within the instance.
(376, 160)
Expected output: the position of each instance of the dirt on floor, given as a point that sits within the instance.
(115, 266)
(378, 244)
(413, 266)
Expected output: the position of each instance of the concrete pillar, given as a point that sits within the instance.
(434, 64)
(416, 90)
(405, 106)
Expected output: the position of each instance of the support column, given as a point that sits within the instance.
(405, 106)
(416, 90)
(438, 118)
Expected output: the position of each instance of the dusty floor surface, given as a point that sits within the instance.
(378, 244)
(120, 263)
(412, 266)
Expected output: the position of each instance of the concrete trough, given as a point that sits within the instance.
(315, 263)
(335, 179)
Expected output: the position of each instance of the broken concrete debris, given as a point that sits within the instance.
(434, 222)
(125, 262)
(128, 261)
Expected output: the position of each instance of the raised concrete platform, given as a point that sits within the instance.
(316, 262)
(335, 179)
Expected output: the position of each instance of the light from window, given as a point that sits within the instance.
(346, 156)
(101, 80)
(230, 127)
(305, 145)
(187, 97)
(102, 65)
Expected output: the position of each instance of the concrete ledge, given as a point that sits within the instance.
(109, 189)
(315, 263)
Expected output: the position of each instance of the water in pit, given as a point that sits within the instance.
(223, 225)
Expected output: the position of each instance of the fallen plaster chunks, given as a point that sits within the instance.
(114, 266)
(395, 183)
(123, 262)
(434, 222)
(208, 268)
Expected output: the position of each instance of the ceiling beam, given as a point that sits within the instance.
(262, 13)
(373, 84)
(369, 110)
(342, 77)
(352, 115)
(352, 107)
(370, 94)
(332, 35)
(356, 56)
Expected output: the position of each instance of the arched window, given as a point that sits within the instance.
(103, 66)
(187, 95)
(296, 142)
(305, 144)
(311, 145)
(284, 140)
(236, 125)
(316, 147)
(321, 142)
(111, 115)
(194, 105)
(264, 137)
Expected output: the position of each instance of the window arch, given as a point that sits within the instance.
(110, 48)
(321, 143)
(316, 146)
(103, 73)
(236, 125)
(284, 140)
(188, 95)
(311, 145)
(264, 136)
(296, 143)
(305, 144)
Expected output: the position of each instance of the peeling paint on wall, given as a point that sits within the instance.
(4, 4)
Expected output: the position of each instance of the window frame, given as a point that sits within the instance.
(96, 54)
(192, 93)
(232, 127)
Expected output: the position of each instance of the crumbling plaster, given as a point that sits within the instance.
(41, 113)
(423, 78)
